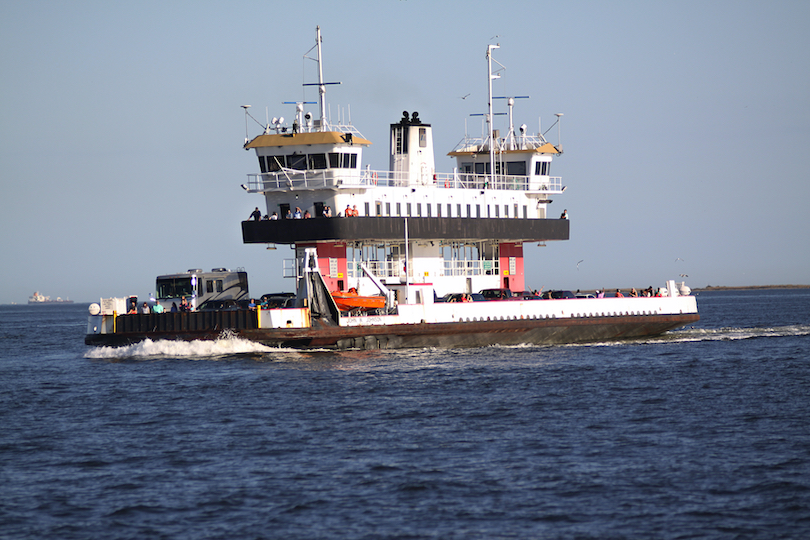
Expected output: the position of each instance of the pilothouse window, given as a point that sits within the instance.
(516, 168)
(275, 163)
(317, 161)
(541, 168)
(339, 160)
(297, 162)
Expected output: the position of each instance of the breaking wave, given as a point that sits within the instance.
(181, 349)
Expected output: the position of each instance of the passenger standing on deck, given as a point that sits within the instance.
(273, 216)
(157, 308)
(145, 308)
(297, 213)
(564, 215)
(348, 212)
(256, 215)
(619, 294)
(327, 211)
(355, 213)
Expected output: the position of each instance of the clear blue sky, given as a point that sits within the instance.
(685, 131)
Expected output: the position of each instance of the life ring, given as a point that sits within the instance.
(374, 178)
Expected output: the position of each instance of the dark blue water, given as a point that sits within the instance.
(702, 433)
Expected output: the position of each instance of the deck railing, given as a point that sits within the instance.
(288, 179)
(471, 268)
(395, 269)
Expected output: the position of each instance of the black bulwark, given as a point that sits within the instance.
(290, 231)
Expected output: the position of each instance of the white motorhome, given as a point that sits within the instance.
(199, 287)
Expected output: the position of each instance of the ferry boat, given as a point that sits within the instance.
(402, 239)
(38, 299)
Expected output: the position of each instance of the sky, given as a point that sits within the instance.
(685, 129)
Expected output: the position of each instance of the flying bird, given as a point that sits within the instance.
(583, 260)
(679, 259)
(465, 97)
(684, 275)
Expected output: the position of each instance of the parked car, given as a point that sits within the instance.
(496, 294)
(557, 295)
(277, 300)
(456, 297)
(223, 305)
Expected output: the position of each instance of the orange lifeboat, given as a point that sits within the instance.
(348, 301)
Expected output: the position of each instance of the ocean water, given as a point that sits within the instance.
(701, 433)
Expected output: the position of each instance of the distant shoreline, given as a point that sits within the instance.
(749, 287)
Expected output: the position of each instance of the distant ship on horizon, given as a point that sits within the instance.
(38, 298)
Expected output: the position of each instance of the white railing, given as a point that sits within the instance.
(395, 269)
(471, 268)
(289, 268)
(321, 179)
(480, 145)
(384, 269)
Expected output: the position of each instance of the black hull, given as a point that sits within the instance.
(443, 335)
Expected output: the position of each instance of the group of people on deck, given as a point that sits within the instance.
(184, 307)
(256, 215)
(648, 292)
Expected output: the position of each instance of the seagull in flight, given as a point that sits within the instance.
(465, 97)
(684, 275)
(679, 259)
(583, 260)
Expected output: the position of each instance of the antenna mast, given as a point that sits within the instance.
(490, 133)
(321, 86)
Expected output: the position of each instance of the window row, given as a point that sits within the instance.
(449, 210)
(303, 162)
(510, 168)
(185, 286)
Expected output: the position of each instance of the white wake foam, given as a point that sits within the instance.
(691, 335)
(733, 334)
(179, 349)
